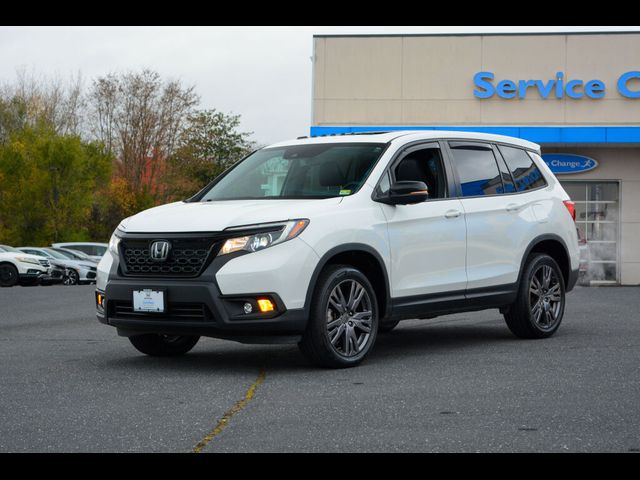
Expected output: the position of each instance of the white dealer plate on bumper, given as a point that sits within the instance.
(148, 300)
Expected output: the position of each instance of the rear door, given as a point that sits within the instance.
(494, 214)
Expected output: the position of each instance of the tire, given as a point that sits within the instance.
(72, 278)
(538, 315)
(157, 345)
(353, 335)
(8, 275)
(386, 327)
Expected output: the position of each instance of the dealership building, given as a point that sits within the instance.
(577, 95)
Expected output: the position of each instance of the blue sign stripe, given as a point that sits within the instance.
(560, 134)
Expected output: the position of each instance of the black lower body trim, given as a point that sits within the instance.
(572, 280)
(197, 308)
(432, 305)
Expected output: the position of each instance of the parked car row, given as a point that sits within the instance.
(65, 263)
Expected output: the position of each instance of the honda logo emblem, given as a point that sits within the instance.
(159, 251)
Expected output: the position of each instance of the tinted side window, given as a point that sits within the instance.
(477, 171)
(525, 172)
(80, 248)
(424, 165)
(507, 181)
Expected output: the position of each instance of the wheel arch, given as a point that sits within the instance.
(554, 246)
(366, 259)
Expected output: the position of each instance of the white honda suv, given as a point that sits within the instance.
(327, 241)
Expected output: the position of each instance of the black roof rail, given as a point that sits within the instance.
(345, 134)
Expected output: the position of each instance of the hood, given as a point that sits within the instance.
(14, 255)
(216, 216)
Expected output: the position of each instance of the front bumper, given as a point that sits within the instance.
(87, 274)
(55, 275)
(194, 306)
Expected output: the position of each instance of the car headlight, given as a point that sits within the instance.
(259, 241)
(32, 261)
(113, 243)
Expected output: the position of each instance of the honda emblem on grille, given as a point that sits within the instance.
(159, 251)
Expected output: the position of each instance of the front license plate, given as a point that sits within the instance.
(148, 300)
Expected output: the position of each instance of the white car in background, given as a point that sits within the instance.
(17, 267)
(327, 241)
(92, 249)
(76, 271)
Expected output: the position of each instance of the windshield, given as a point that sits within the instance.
(55, 254)
(69, 255)
(301, 171)
(7, 248)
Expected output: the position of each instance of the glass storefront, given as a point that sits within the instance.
(598, 220)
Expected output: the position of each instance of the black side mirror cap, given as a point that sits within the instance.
(405, 193)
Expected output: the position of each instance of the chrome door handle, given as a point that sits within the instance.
(513, 207)
(453, 214)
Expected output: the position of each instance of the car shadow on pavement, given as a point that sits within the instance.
(416, 340)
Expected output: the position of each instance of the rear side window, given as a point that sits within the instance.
(525, 172)
(477, 170)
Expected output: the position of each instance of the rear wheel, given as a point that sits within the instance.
(539, 308)
(164, 345)
(8, 275)
(343, 323)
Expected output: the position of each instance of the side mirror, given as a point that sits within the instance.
(406, 193)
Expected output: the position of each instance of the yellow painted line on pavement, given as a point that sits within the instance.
(239, 406)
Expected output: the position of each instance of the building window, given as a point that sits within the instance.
(598, 219)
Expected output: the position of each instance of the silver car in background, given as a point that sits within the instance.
(94, 250)
(86, 267)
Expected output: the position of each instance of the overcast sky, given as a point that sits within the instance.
(261, 73)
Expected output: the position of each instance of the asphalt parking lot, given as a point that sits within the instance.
(457, 383)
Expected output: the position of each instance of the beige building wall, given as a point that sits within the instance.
(623, 166)
(428, 80)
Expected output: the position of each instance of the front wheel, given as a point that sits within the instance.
(72, 278)
(8, 275)
(343, 321)
(164, 345)
(539, 307)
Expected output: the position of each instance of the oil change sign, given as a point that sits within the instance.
(486, 86)
(564, 163)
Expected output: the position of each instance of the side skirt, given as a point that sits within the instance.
(432, 305)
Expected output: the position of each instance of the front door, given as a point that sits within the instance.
(428, 240)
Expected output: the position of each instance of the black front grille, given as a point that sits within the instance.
(187, 257)
(181, 311)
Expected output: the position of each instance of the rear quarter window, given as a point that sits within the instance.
(525, 172)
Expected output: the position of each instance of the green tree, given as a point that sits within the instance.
(210, 143)
(47, 186)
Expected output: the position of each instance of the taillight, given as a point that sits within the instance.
(571, 206)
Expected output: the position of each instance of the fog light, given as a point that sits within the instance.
(265, 305)
(248, 308)
(100, 300)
